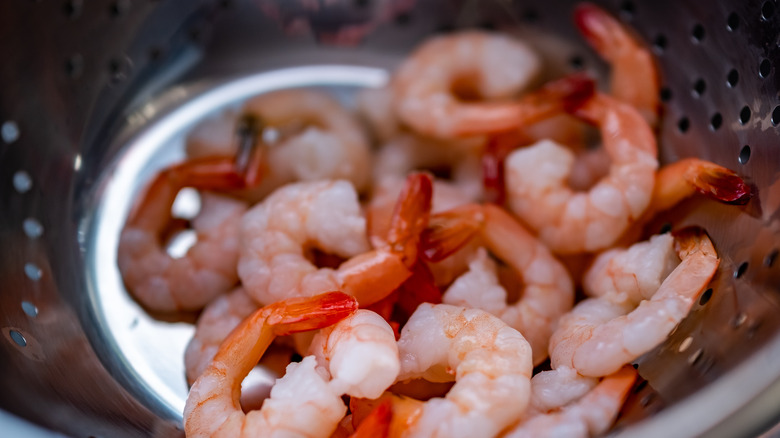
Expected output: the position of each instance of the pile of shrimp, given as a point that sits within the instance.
(455, 256)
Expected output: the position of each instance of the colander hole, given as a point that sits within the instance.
(776, 116)
(695, 357)
(659, 43)
(683, 124)
(699, 87)
(732, 78)
(119, 68)
(642, 385)
(744, 154)
(22, 181)
(705, 297)
(627, 10)
(17, 338)
(30, 309)
(741, 270)
(74, 66)
(155, 53)
(227, 4)
(716, 121)
(119, 7)
(744, 115)
(732, 22)
(767, 9)
(73, 8)
(134, 323)
(9, 131)
(770, 258)
(697, 33)
(577, 62)
(530, 16)
(738, 320)
(665, 94)
(764, 68)
(685, 344)
(488, 25)
(32, 228)
(403, 19)
(32, 271)
(665, 228)
(362, 3)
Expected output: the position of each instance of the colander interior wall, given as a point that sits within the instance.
(78, 78)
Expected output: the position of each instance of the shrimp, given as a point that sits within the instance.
(548, 291)
(572, 222)
(556, 388)
(359, 354)
(590, 416)
(326, 214)
(161, 282)
(317, 139)
(489, 361)
(634, 78)
(600, 335)
(430, 83)
(301, 402)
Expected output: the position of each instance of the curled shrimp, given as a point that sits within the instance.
(489, 361)
(164, 283)
(301, 402)
(592, 415)
(600, 335)
(548, 291)
(359, 354)
(634, 77)
(475, 65)
(572, 222)
(326, 215)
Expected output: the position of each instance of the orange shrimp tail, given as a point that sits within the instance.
(600, 29)
(385, 306)
(417, 289)
(377, 423)
(619, 383)
(565, 94)
(718, 183)
(498, 147)
(303, 314)
(449, 231)
(411, 215)
(693, 239)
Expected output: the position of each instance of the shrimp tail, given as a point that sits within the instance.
(449, 231)
(693, 239)
(600, 29)
(565, 94)
(498, 147)
(411, 215)
(302, 314)
(718, 183)
(377, 423)
(417, 289)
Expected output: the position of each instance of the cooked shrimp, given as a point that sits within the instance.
(556, 388)
(600, 335)
(480, 65)
(164, 283)
(548, 290)
(574, 222)
(326, 215)
(634, 77)
(592, 415)
(216, 322)
(489, 361)
(301, 402)
(359, 354)
(317, 139)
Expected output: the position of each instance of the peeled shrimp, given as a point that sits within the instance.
(317, 139)
(548, 290)
(600, 335)
(161, 282)
(488, 65)
(326, 215)
(301, 402)
(556, 388)
(592, 415)
(489, 361)
(574, 222)
(359, 354)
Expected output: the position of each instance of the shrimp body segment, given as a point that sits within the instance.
(571, 222)
(592, 415)
(601, 335)
(548, 293)
(301, 403)
(164, 283)
(489, 361)
(326, 215)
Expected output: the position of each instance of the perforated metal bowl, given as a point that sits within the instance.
(96, 96)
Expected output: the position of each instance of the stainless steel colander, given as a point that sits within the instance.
(96, 95)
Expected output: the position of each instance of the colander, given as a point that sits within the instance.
(97, 95)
